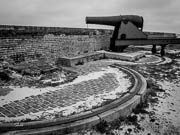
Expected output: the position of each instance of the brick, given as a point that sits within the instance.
(1, 115)
(6, 112)
(54, 45)
(33, 110)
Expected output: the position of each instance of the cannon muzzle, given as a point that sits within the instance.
(116, 20)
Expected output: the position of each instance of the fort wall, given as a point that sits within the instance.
(31, 42)
(50, 42)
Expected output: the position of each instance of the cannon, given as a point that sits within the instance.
(125, 27)
(128, 30)
(116, 20)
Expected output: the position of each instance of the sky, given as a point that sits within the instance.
(159, 15)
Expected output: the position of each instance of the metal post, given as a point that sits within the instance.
(153, 49)
(163, 50)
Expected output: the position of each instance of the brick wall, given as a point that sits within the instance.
(30, 42)
(50, 42)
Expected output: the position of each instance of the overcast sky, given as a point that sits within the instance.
(159, 15)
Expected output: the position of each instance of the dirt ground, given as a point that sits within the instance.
(160, 113)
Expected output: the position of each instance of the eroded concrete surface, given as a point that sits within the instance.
(160, 113)
(87, 91)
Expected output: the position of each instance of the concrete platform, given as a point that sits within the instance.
(82, 59)
(120, 107)
(128, 56)
(147, 47)
(79, 60)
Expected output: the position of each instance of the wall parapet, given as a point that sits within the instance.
(54, 42)
(50, 42)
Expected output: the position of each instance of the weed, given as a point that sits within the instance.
(102, 127)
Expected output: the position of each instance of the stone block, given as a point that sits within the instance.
(122, 110)
(79, 60)
(123, 56)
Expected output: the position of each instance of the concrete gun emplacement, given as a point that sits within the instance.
(128, 30)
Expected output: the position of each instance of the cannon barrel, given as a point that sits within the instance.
(116, 20)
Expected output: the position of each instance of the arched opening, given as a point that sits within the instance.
(123, 36)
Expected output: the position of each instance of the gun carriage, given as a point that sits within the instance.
(128, 30)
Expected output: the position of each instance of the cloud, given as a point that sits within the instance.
(147, 4)
(159, 15)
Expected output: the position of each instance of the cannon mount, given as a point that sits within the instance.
(128, 30)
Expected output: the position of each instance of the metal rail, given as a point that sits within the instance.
(161, 41)
(143, 42)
